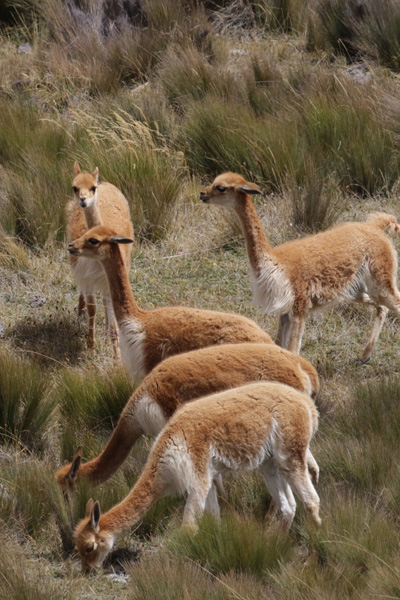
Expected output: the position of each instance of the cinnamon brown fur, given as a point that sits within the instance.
(148, 337)
(96, 204)
(186, 377)
(267, 426)
(352, 261)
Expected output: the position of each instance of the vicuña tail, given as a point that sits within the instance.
(384, 221)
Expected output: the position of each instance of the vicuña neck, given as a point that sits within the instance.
(133, 507)
(92, 215)
(258, 246)
(124, 303)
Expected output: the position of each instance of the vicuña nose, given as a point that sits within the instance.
(203, 196)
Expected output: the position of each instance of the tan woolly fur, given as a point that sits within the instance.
(350, 262)
(264, 426)
(148, 337)
(186, 377)
(96, 204)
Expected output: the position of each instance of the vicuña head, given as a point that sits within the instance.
(97, 243)
(93, 545)
(228, 190)
(85, 186)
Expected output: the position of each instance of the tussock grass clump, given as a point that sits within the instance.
(358, 29)
(185, 74)
(26, 404)
(317, 204)
(378, 32)
(332, 25)
(93, 399)
(140, 162)
(348, 135)
(364, 451)
(12, 254)
(346, 557)
(35, 180)
(34, 496)
(334, 131)
(164, 577)
(236, 543)
(18, 581)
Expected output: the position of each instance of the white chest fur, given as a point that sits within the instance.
(131, 340)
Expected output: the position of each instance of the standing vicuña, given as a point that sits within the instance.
(96, 204)
(352, 261)
(185, 377)
(267, 426)
(148, 337)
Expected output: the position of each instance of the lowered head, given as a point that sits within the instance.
(228, 189)
(93, 544)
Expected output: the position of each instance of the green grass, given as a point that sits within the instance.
(162, 98)
(236, 543)
(26, 403)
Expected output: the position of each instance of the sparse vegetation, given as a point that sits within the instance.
(300, 97)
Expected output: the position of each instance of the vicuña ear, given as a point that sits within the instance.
(249, 188)
(121, 240)
(89, 506)
(95, 174)
(77, 168)
(76, 463)
(95, 516)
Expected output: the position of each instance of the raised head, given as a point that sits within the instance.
(85, 186)
(228, 189)
(66, 476)
(97, 243)
(92, 543)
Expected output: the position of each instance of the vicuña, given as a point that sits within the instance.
(352, 261)
(186, 377)
(264, 426)
(96, 204)
(148, 337)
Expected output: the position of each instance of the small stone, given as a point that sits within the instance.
(24, 48)
(37, 301)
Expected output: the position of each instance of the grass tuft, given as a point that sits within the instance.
(93, 399)
(236, 543)
(26, 404)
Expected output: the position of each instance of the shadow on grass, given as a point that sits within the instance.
(54, 338)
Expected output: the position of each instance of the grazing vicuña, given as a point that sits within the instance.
(182, 378)
(267, 426)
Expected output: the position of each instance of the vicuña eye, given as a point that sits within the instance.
(76, 190)
(93, 189)
(221, 188)
(93, 241)
(90, 549)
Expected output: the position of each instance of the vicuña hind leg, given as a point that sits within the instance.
(282, 337)
(382, 311)
(298, 322)
(91, 308)
(212, 505)
(195, 504)
(81, 304)
(300, 482)
(282, 497)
